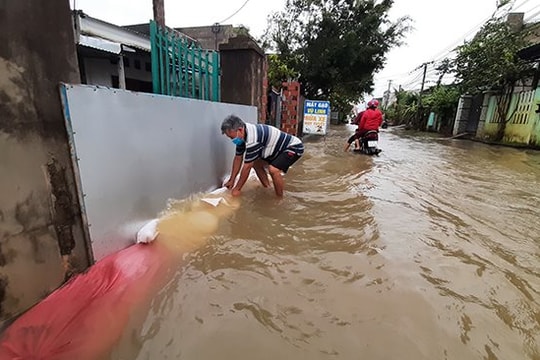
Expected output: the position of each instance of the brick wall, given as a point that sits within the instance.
(290, 107)
(263, 109)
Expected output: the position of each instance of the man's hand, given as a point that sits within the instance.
(229, 184)
(235, 192)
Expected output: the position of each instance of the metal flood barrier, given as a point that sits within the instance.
(134, 151)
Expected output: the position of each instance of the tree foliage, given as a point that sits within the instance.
(442, 100)
(278, 71)
(335, 46)
(404, 109)
(489, 60)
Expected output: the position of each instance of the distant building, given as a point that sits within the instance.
(112, 56)
(208, 37)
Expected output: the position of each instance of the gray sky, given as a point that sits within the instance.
(438, 25)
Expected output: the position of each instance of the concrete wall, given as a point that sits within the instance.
(99, 71)
(139, 66)
(41, 234)
(207, 38)
(523, 127)
(243, 73)
(535, 136)
(462, 115)
(480, 132)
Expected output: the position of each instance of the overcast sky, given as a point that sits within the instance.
(438, 25)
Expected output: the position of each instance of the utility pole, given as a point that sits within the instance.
(387, 95)
(159, 12)
(420, 94)
(216, 29)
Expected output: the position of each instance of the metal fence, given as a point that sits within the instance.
(182, 68)
(520, 111)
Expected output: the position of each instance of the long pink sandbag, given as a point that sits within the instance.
(84, 318)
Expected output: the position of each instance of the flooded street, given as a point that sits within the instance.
(429, 251)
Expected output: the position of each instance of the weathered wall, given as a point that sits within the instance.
(535, 136)
(462, 115)
(242, 73)
(99, 71)
(207, 37)
(41, 236)
(522, 119)
(480, 132)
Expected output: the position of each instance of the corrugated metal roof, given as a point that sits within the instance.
(98, 29)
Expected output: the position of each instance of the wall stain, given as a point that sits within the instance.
(14, 101)
(32, 64)
(28, 214)
(3, 286)
(3, 260)
(63, 212)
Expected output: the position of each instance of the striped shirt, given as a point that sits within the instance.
(267, 142)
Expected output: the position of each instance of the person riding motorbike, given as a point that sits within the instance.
(356, 121)
(371, 120)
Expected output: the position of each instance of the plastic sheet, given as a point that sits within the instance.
(86, 317)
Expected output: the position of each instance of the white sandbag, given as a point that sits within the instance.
(148, 232)
(219, 191)
(212, 201)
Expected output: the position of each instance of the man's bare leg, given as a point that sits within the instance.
(258, 165)
(277, 179)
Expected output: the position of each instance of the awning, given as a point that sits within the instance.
(100, 44)
(101, 30)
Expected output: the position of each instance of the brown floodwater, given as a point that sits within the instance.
(429, 251)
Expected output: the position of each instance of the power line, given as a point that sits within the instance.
(530, 17)
(437, 58)
(236, 12)
(448, 50)
(521, 5)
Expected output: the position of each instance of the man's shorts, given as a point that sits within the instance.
(284, 160)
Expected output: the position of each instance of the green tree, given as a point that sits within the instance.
(443, 101)
(489, 61)
(278, 71)
(335, 46)
(404, 109)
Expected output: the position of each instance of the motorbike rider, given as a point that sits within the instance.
(371, 120)
(356, 121)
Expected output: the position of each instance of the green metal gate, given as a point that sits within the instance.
(182, 68)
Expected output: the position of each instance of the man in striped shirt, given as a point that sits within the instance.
(260, 146)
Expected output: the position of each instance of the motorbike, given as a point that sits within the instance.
(369, 143)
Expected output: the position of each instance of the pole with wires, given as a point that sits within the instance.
(419, 109)
(387, 95)
(158, 7)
